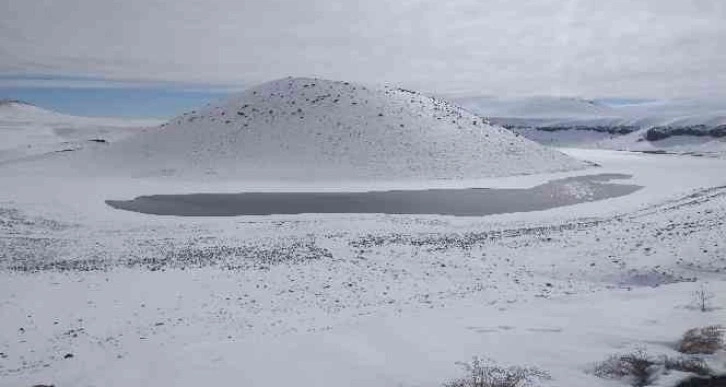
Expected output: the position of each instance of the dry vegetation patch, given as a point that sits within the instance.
(485, 373)
(705, 340)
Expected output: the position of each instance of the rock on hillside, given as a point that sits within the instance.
(312, 129)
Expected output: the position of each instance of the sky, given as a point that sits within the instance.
(185, 49)
(105, 98)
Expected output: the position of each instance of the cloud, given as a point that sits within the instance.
(650, 48)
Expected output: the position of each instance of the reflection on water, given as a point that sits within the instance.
(460, 202)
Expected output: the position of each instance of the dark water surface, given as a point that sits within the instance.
(460, 202)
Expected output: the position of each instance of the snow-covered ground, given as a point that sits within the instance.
(93, 296)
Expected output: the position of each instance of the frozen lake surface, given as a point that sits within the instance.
(459, 202)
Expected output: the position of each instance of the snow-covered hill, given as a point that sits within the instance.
(302, 129)
(28, 130)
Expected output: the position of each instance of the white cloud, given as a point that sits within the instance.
(652, 48)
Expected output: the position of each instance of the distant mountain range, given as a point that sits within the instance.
(687, 125)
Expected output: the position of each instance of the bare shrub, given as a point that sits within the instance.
(484, 373)
(706, 340)
(640, 369)
(702, 298)
(637, 367)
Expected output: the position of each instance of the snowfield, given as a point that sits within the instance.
(92, 296)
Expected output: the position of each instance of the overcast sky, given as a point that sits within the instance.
(636, 48)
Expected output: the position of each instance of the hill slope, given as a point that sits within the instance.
(311, 129)
(28, 130)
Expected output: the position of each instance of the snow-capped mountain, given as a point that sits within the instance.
(313, 129)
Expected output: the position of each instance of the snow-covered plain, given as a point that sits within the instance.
(356, 300)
